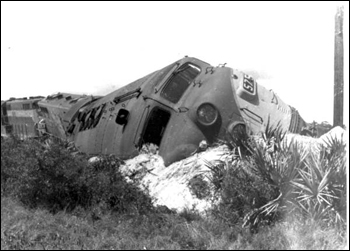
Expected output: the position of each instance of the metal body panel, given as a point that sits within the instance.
(59, 109)
(19, 117)
(259, 105)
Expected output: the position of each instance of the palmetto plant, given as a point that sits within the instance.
(277, 163)
(321, 187)
(312, 184)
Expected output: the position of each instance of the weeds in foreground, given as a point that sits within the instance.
(280, 191)
(23, 228)
(271, 179)
(49, 176)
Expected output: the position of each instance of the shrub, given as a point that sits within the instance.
(269, 179)
(199, 187)
(106, 184)
(46, 174)
(239, 191)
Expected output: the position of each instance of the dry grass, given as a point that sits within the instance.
(22, 228)
(320, 182)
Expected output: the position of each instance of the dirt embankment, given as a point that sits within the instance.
(169, 185)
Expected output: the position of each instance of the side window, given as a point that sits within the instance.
(179, 82)
(26, 106)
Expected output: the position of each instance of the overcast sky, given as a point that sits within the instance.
(97, 47)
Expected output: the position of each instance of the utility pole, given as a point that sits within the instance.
(338, 105)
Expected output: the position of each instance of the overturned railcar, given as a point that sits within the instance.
(176, 108)
(19, 117)
(59, 109)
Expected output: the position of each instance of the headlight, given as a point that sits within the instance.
(207, 114)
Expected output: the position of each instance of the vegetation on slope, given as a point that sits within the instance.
(270, 178)
(269, 197)
(47, 175)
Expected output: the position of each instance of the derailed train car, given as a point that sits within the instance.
(19, 117)
(58, 110)
(174, 108)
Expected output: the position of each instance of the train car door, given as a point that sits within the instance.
(155, 126)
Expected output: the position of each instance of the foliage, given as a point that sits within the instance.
(291, 198)
(270, 179)
(46, 174)
(199, 187)
(22, 228)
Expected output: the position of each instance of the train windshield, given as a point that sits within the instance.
(179, 82)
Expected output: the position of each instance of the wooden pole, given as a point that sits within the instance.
(338, 105)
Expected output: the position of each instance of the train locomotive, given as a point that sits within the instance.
(19, 116)
(174, 108)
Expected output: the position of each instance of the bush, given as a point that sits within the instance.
(239, 191)
(46, 174)
(107, 185)
(269, 179)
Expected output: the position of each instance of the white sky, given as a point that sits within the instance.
(97, 47)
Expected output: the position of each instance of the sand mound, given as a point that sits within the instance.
(313, 144)
(337, 133)
(169, 185)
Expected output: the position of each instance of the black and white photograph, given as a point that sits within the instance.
(174, 125)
